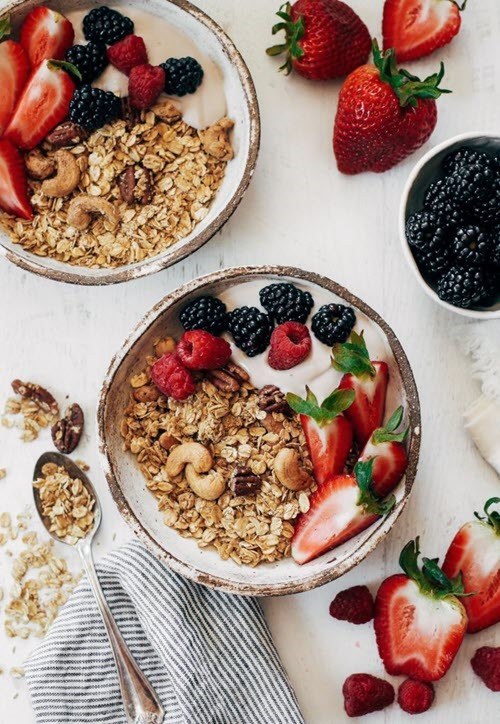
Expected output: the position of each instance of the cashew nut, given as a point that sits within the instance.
(83, 208)
(39, 166)
(67, 177)
(289, 471)
(209, 486)
(215, 139)
(189, 452)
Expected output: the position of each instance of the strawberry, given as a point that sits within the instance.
(328, 432)
(46, 97)
(475, 553)
(386, 448)
(368, 380)
(415, 28)
(324, 39)
(14, 71)
(383, 115)
(340, 508)
(13, 184)
(46, 35)
(419, 620)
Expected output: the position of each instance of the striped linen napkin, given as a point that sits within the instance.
(209, 655)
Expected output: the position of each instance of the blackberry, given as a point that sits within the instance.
(182, 75)
(333, 323)
(466, 156)
(251, 329)
(91, 59)
(465, 287)
(472, 246)
(424, 231)
(286, 303)
(495, 247)
(433, 261)
(92, 108)
(477, 190)
(441, 202)
(207, 313)
(107, 25)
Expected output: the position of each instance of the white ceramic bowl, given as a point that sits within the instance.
(242, 108)
(139, 507)
(426, 171)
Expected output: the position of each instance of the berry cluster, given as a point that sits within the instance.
(455, 238)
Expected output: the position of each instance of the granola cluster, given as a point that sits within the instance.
(249, 529)
(30, 414)
(177, 170)
(66, 504)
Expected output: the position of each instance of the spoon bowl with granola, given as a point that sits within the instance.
(146, 137)
(260, 430)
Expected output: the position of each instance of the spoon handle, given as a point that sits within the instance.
(140, 700)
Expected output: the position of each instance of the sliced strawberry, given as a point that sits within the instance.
(419, 620)
(369, 382)
(46, 98)
(339, 509)
(13, 184)
(14, 71)
(475, 553)
(415, 28)
(46, 34)
(328, 432)
(386, 448)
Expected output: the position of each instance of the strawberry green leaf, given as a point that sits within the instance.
(408, 88)
(368, 499)
(352, 357)
(431, 579)
(68, 67)
(293, 33)
(5, 28)
(339, 401)
(388, 433)
(333, 406)
(492, 517)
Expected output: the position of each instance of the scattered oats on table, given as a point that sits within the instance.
(184, 168)
(248, 529)
(27, 415)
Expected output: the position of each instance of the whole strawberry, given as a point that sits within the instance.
(324, 39)
(384, 114)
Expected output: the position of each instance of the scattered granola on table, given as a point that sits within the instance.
(33, 409)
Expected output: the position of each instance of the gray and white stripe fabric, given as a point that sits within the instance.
(209, 655)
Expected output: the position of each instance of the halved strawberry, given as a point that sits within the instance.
(339, 509)
(14, 71)
(386, 449)
(46, 34)
(419, 620)
(368, 380)
(415, 28)
(13, 184)
(475, 553)
(43, 104)
(328, 432)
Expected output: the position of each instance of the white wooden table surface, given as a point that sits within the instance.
(298, 210)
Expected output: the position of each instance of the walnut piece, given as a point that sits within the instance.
(215, 139)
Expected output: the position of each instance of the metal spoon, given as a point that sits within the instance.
(140, 700)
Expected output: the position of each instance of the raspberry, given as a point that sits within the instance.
(354, 605)
(415, 697)
(145, 85)
(364, 693)
(200, 350)
(486, 664)
(172, 378)
(127, 53)
(290, 345)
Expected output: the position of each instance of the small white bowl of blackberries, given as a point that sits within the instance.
(450, 224)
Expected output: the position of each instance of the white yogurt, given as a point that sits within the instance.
(199, 109)
(316, 370)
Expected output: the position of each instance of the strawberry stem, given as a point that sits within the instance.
(430, 578)
(5, 28)
(388, 433)
(368, 498)
(457, 4)
(334, 405)
(64, 65)
(293, 33)
(352, 357)
(492, 518)
(407, 87)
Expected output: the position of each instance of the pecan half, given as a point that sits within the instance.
(136, 185)
(67, 431)
(38, 394)
(129, 114)
(67, 134)
(244, 482)
(229, 378)
(272, 399)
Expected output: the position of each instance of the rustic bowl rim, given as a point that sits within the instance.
(215, 581)
(72, 275)
(405, 200)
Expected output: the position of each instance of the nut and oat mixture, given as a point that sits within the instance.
(240, 435)
(33, 409)
(66, 503)
(180, 168)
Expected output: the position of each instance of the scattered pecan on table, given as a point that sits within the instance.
(67, 432)
(38, 394)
